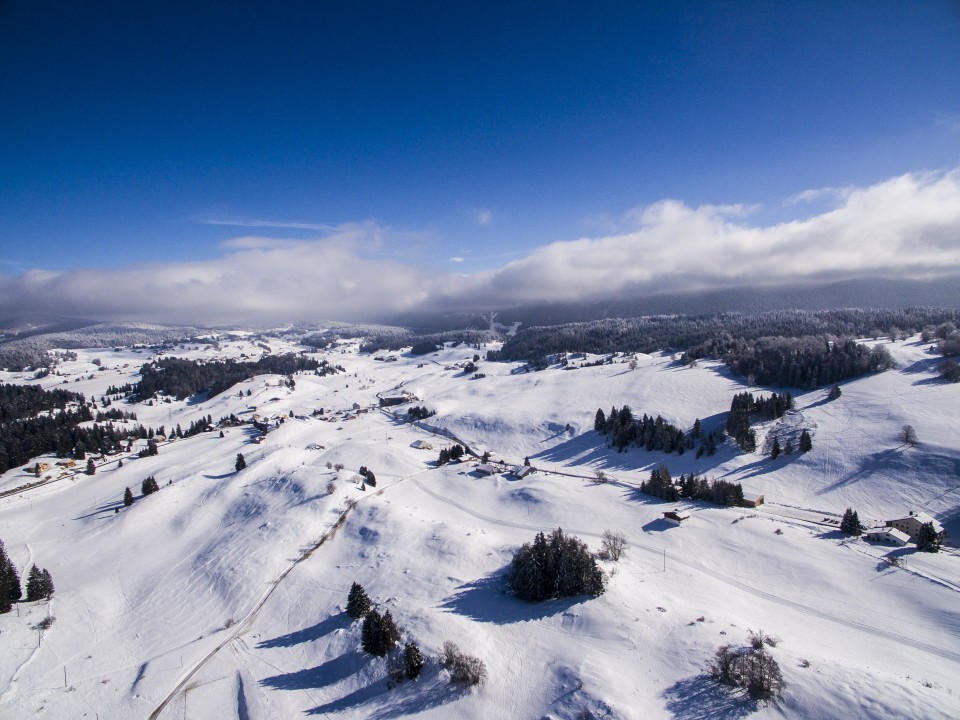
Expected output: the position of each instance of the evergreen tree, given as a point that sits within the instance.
(850, 523)
(358, 603)
(379, 633)
(928, 539)
(91, 468)
(8, 576)
(36, 585)
(788, 449)
(806, 444)
(413, 661)
(241, 462)
(600, 422)
(775, 451)
(127, 497)
(835, 393)
(46, 584)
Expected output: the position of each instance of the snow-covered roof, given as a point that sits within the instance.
(922, 518)
(487, 469)
(899, 535)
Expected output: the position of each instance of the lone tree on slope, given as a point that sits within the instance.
(850, 523)
(241, 462)
(127, 497)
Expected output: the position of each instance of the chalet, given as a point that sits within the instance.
(675, 516)
(487, 469)
(889, 536)
(912, 523)
(421, 445)
(388, 400)
(752, 499)
(521, 471)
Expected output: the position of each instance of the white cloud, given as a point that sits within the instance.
(907, 227)
(268, 224)
(483, 217)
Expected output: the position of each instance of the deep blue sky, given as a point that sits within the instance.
(125, 125)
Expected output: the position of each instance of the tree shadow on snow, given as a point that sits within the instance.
(360, 696)
(702, 698)
(487, 600)
(413, 698)
(328, 673)
(314, 632)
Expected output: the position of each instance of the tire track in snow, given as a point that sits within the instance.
(756, 592)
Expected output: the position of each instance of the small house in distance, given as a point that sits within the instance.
(751, 499)
(521, 471)
(675, 516)
(887, 535)
(912, 523)
(487, 469)
(421, 445)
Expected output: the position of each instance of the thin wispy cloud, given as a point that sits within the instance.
(906, 227)
(276, 224)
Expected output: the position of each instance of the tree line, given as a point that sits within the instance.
(691, 487)
(181, 378)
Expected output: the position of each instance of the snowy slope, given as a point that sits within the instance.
(222, 594)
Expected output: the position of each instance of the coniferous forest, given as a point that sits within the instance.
(184, 378)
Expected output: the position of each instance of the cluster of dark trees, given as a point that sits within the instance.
(850, 523)
(791, 348)
(181, 378)
(39, 583)
(555, 567)
(424, 347)
(693, 487)
(450, 454)
(649, 433)
(196, 427)
(709, 334)
(23, 401)
(114, 414)
(380, 634)
(149, 486)
(368, 477)
(805, 362)
(9, 581)
(419, 413)
(744, 406)
(150, 450)
(61, 434)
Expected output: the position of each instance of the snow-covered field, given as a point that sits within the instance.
(223, 594)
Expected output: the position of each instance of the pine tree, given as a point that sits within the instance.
(358, 603)
(600, 422)
(806, 444)
(13, 582)
(6, 581)
(928, 539)
(35, 585)
(91, 468)
(46, 584)
(241, 462)
(775, 451)
(379, 633)
(412, 660)
(127, 497)
(850, 523)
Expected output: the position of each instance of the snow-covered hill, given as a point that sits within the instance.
(223, 594)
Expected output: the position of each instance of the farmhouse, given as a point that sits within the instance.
(890, 536)
(486, 469)
(675, 516)
(752, 499)
(912, 523)
(421, 445)
(521, 471)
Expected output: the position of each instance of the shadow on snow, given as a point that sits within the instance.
(314, 632)
(487, 600)
(702, 698)
(327, 673)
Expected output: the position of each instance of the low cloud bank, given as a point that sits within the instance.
(905, 227)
